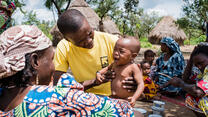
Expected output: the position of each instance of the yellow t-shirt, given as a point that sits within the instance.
(84, 63)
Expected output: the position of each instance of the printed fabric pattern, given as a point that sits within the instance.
(200, 104)
(68, 99)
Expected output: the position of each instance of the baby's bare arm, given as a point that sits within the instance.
(137, 73)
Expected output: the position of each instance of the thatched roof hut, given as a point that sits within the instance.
(167, 27)
(93, 19)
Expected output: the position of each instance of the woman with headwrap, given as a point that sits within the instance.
(7, 7)
(26, 69)
(197, 92)
(170, 64)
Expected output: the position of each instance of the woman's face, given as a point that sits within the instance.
(200, 61)
(46, 67)
(164, 47)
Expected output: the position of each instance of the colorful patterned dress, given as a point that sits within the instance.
(68, 99)
(199, 104)
(150, 88)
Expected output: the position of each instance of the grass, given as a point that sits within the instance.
(195, 41)
(145, 43)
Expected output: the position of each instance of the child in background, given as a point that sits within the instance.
(150, 88)
(125, 50)
(149, 56)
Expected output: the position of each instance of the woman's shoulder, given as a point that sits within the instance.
(67, 80)
(41, 94)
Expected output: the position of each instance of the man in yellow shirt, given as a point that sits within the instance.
(83, 50)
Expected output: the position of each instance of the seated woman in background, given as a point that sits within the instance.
(196, 99)
(169, 64)
(26, 68)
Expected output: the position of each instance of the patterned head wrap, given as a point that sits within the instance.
(171, 43)
(17, 41)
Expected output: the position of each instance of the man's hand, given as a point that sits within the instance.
(130, 84)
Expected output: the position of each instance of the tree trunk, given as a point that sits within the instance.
(58, 9)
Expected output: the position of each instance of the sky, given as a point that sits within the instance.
(162, 7)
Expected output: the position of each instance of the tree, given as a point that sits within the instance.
(19, 4)
(104, 8)
(196, 13)
(58, 5)
(30, 18)
(147, 23)
(130, 17)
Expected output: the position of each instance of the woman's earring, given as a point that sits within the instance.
(37, 80)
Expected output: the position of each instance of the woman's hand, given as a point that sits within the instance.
(130, 84)
(176, 82)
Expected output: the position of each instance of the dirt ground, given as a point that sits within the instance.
(171, 109)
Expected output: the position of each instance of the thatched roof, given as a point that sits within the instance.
(92, 18)
(109, 26)
(167, 27)
(88, 12)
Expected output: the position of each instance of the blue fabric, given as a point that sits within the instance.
(1, 89)
(173, 67)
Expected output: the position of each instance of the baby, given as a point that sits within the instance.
(150, 88)
(125, 50)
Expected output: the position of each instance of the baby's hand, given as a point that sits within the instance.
(132, 101)
(100, 79)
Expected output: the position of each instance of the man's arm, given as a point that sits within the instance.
(102, 76)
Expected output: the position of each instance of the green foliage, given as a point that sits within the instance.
(19, 4)
(186, 25)
(195, 41)
(131, 20)
(196, 13)
(147, 23)
(104, 7)
(145, 43)
(30, 18)
(130, 17)
(59, 5)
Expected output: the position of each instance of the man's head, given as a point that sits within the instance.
(125, 50)
(75, 28)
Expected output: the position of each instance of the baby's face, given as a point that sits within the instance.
(122, 54)
(146, 68)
